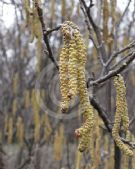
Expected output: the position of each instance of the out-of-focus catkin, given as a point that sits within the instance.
(10, 130)
(47, 125)
(78, 159)
(14, 107)
(36, 116)
(58, 143)
(27, 98)
(20, 130)
(121, 114)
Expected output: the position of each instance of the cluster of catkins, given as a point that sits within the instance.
(72, 79)
(121, 116)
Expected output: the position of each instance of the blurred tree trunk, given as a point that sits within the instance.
(117, 157)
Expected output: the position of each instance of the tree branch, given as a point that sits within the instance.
(45, 34)
(114, 72)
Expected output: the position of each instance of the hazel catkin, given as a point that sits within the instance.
(75, 84)
(121, 114)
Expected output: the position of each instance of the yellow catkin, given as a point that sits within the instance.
(27, 98)
(78, 10)
(63, 8)
(125, 158)
(121, 102)
(48, 128)
(113, 11)
(36, 116)
(39, 55)
(29, 18)
(37, 31)
(86, 107)
(72, 69)
(78, 160)
(14, 107)
(10, 130)
(20, 130)
(15, 83)
(71, 10)
(6, 124)
(58, 143)
(1, 136)
(76, 81)
(52, 10)
(120, 115)
(105, 19)
(37, 28)
(64, 79)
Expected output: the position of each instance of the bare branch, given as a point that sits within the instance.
(124, 13)
(45, 37)
(48, 31)
(96, 30)
(114, 72)
(114, 55)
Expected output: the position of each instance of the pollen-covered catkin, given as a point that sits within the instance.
(76, 81)
(121, 100)
(63, 69)
(86, 107)
(120, 115)
(72, 69)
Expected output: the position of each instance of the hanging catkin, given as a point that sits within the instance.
(121, 114)
(14, 107)
(47, 126)
(36, 116)
(105, 19)
(10, 130)
(53, 10)
(58, 143)
(78, 160)
(20, 130)
(64, 79)
(74, 74)
(125, 158)
(27, 98)
(72, 69)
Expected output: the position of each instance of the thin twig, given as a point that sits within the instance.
(45, 37)
(114, 72)
(48, 31)
(114, 55)
(96, 30)
(124, 13)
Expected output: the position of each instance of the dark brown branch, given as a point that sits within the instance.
(103, 115)
(45, 37)
(114, 55)
(48, 31)
(27, 161)
(114, 72)
(96, 30)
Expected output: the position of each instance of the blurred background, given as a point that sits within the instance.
(33, 133)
